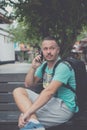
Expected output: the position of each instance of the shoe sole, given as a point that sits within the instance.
(33, 129)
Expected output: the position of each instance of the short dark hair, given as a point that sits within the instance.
(49, 38)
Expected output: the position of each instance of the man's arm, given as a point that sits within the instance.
(43, 98)
(30, 78)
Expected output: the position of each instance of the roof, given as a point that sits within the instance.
(3, 18)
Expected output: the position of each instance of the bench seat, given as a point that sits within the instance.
(9, 112)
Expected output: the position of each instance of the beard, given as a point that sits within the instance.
(51, 58)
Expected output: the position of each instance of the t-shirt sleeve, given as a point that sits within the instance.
(62, 73)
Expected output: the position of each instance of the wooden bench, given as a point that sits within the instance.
(9, 112)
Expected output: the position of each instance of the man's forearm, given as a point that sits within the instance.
(29, 79)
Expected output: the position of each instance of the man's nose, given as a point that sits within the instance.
(48, 51)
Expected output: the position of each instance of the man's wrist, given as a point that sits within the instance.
(33, 68)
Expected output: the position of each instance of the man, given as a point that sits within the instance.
(55, 104)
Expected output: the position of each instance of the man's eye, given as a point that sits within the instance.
(52, 48)
(45, 49)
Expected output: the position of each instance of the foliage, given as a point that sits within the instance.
(19, 32)
(83, 33)
(62, 18)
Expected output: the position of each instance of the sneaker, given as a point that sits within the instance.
(33, 126)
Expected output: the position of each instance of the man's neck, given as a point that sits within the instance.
(51, 63)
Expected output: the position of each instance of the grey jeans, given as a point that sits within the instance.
(53, 113)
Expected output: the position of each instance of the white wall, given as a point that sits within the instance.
(7, 52)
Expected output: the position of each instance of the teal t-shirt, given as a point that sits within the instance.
(65, 75)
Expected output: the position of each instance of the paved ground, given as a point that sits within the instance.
(14, 68)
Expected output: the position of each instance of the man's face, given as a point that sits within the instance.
(50, 50)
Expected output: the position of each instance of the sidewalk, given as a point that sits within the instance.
(14, 68)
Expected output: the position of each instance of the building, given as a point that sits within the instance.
(7, 52)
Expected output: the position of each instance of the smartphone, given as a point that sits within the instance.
(41, 59)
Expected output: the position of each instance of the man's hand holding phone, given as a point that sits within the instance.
(36, 62)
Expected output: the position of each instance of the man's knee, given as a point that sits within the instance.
(18, 91)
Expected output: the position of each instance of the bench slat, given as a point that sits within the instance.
(9, 87)
(9, 116)
(12, 77)
(8, 107)
(6, 98)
